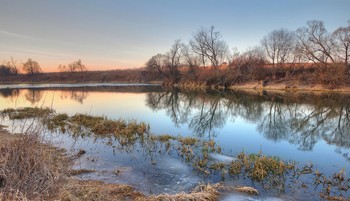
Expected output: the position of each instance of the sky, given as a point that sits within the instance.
(113, 34)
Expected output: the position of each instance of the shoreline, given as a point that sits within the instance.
(256, 86)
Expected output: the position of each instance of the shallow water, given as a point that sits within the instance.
(303, 128)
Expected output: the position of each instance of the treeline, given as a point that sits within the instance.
(31, 67)
(308, 55)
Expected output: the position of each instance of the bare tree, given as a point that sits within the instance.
(156, 63)
(14, 66)
(73, 67)
(173, 60)
(342, 42)
(279, 46)
(316, 43)
(31, 67)
(247, 65)
(190, 60)
(168, 64)
(209, 45)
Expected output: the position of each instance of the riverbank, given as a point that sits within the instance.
(139, 76)
(259, 86)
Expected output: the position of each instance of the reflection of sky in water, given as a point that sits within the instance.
(234, 133)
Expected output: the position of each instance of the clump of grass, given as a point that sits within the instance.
(247, 189)
(259, 166)
(57, 121)
(165, 138)
(218, 166)
(31, 169)
(201, 192)
(79, 125)
(26, 112)
(96, 190)
(80, 171)
(190, 141)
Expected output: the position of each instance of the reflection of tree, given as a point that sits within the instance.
(33, 95)
(209, 116)
(305, 124)
(273, 124)
(9, 93)
(341, 127)
(243, 105)
(169, 101)
(202, 115)
(78, 96)
(299, 119)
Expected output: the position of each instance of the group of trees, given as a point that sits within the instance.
(31, 67)
(310, 45)
(13, 67)
(206, 48)
(76, 66)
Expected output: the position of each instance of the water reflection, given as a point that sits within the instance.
(9, 93)
(202, 115)
(300, 119)
(34, 96)
(78, 96)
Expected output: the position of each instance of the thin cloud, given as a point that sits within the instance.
(16, 35)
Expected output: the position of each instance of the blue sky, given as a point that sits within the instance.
(109, 34)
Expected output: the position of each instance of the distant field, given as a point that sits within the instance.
(128, 76)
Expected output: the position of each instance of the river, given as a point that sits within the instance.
(302, 127)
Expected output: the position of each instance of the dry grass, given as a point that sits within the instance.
(31, 170)
(200, 193)
(95, 190)
(80, 171)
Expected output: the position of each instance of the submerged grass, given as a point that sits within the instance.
(259, 166)
(26, 112)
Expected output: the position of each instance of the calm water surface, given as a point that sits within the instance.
(300, 127)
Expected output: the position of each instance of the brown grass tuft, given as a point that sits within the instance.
(96, 190)
(200, 193)
(30, 169)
